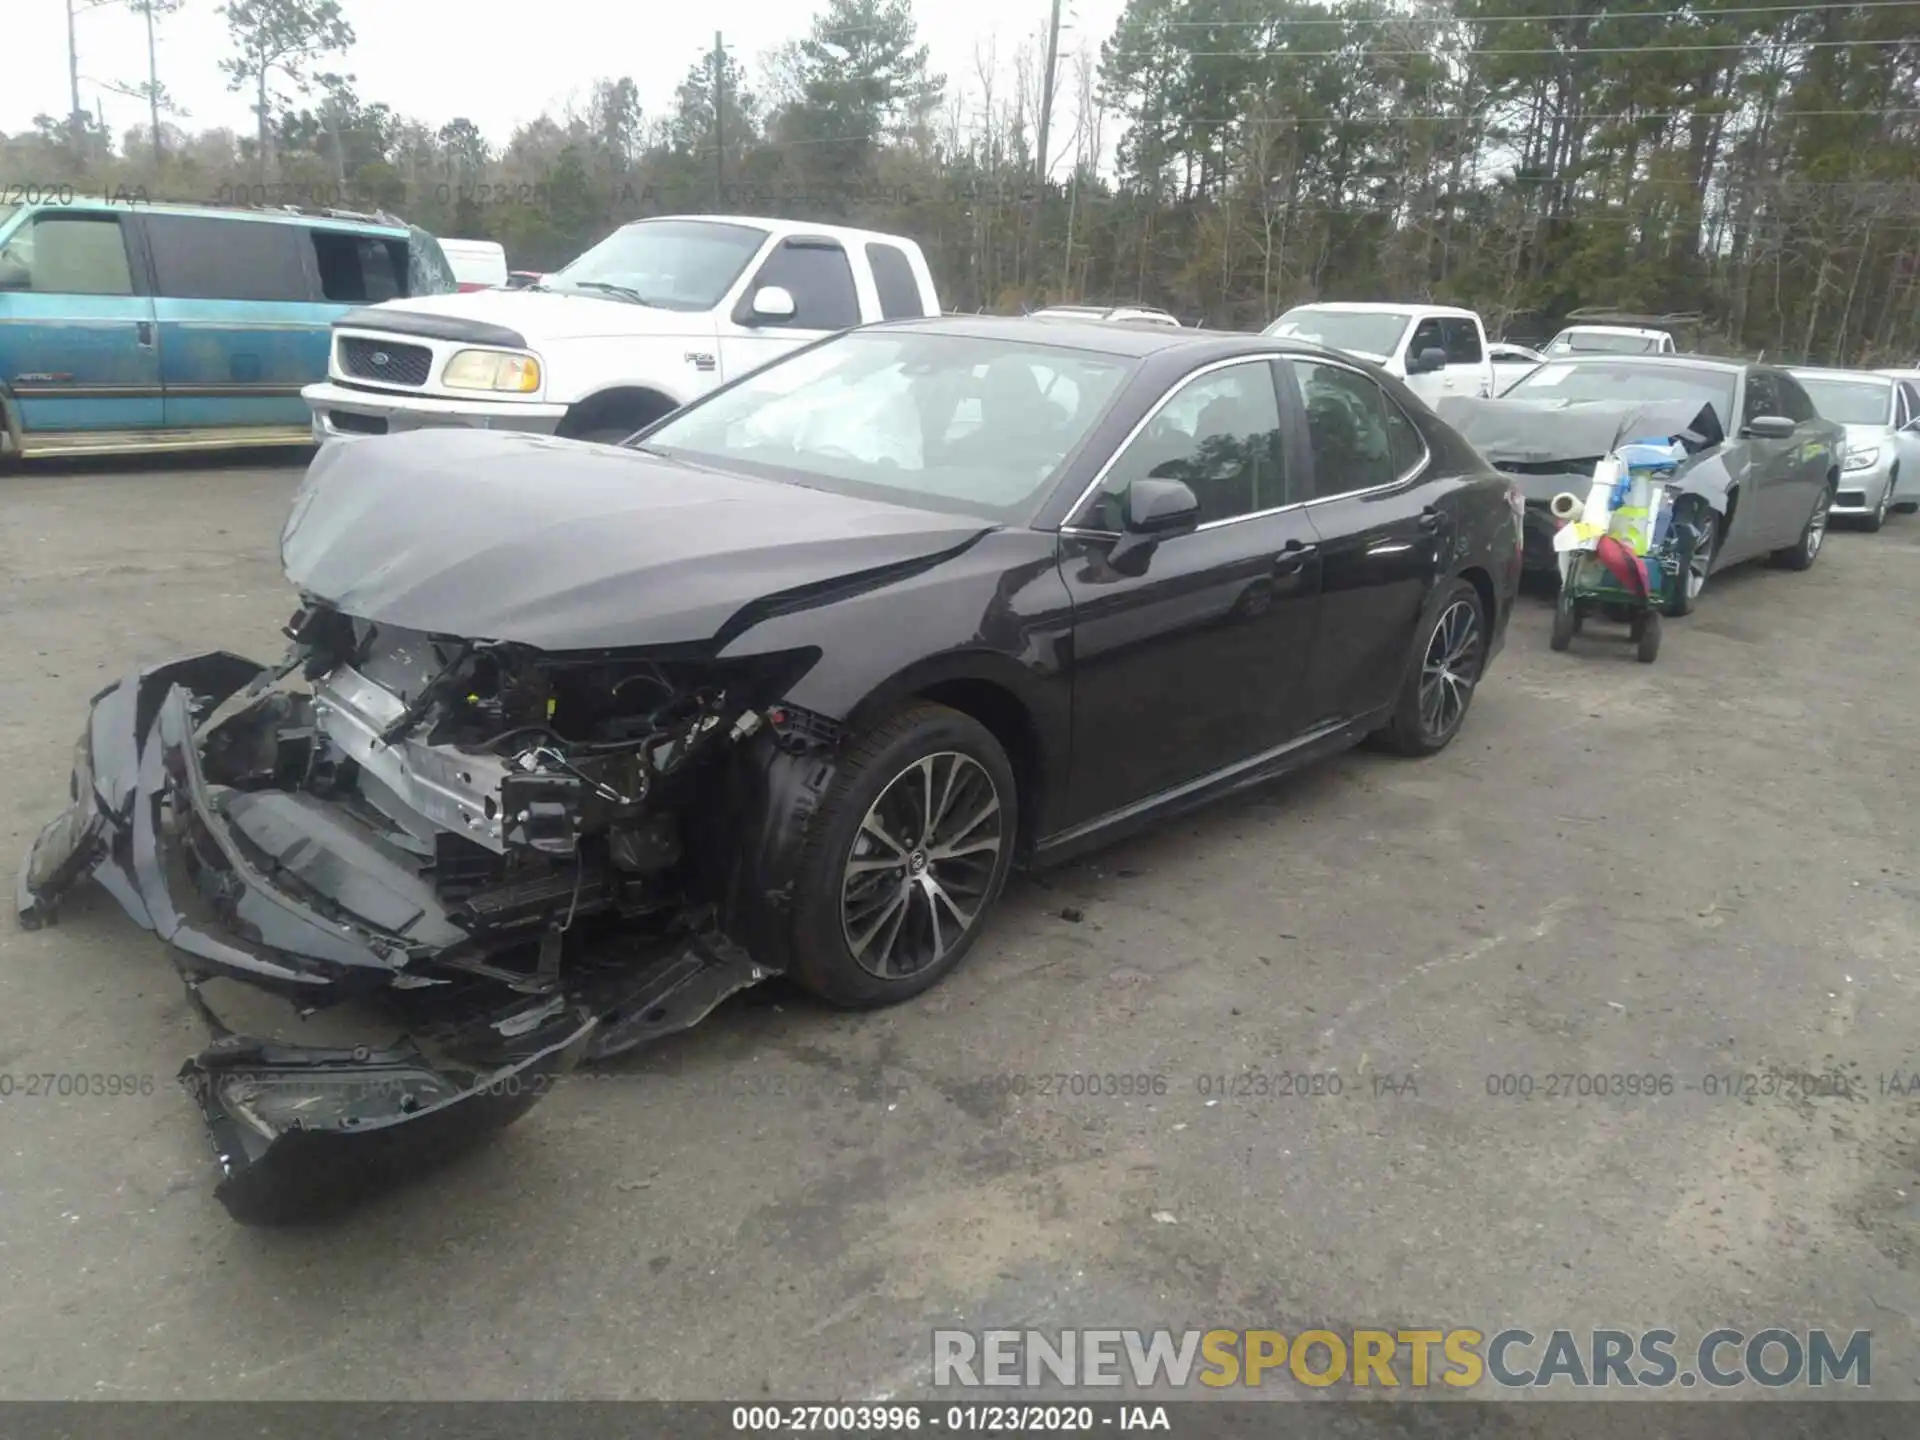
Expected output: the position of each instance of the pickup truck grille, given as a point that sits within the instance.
(384, 361)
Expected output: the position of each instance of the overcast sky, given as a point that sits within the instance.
(497, 62)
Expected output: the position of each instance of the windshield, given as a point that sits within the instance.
(1624, 380)
(1366, 332)
(1851, 402)
(1568, 342)
(669, 264)
(976, 426)
(6, 214)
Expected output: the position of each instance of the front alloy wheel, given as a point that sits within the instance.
(904, 857)
(1699, 566)
(922, 866)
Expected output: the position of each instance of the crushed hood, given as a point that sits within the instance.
(563, 545)
(541, 315)
(1534, 432)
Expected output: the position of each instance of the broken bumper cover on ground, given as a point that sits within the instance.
(299, 1131)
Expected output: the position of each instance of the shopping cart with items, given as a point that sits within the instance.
(1620, 553)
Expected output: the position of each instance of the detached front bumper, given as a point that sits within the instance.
(299, 1131)
(342, 412)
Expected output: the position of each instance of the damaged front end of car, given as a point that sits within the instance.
(529, 858)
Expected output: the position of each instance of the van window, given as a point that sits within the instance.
(201, 258)
(67, 255)
(359, 269)
(893, 278)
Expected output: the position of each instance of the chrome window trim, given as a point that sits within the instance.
(1406, 477)
(1067, 527)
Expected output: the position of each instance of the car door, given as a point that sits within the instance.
(1906, 441)
(1467, 371)
(77, 344)
(816, 272)
(1767, 490)
(1196, 662)
(1377, 526)
(1815, 450)
(1426, 335)
(242, 324)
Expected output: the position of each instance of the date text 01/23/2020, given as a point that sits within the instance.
(886, 1419)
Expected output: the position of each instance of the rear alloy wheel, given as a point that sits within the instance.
(1699, 566)
(1802, 555)
(1439, 685)
(905, 858)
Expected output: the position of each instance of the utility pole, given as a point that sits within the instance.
(75, 115)
(719, 109)
(1046, 89)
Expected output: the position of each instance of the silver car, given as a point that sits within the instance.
(1881, 414)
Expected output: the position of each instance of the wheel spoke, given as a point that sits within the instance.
(892, 910)
(872, 826)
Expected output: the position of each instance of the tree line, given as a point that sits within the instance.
(1753, 162)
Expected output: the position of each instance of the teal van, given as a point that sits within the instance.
(127, 328)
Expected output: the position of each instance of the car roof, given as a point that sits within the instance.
(1614, 330)
(1130, 342)
(1682, 361)
(784, 228)
(1382, 307)
(282, 215)
(1836, 372)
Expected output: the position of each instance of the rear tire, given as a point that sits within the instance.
(886, 903)
(1647, 642)
(1801, 556)
(1443, 671)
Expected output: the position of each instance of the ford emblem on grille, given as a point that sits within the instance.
(379, 357)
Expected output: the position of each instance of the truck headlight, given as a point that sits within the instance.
(492, 370)
(1862, 459)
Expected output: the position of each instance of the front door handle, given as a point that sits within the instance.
(1431, 519)
(1293, 557)
(143, 332)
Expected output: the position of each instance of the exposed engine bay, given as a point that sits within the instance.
(532, 859)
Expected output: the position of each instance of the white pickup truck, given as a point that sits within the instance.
(1437, 349)
(661, 311)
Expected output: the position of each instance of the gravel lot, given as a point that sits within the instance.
(1699, 867)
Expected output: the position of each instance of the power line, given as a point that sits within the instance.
(1368, 52)
(1444, 20)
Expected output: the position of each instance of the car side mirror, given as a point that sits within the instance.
(773, 302)
(1769, 427)
(1156, 510)
(1426, 361)
(15, 276)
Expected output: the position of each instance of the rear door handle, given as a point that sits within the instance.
(143, 332)
(1431, 519)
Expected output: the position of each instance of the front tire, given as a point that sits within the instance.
(1692, 580)
(1448, 659)
(1878, 518)
(905, 858)
(1802, 555)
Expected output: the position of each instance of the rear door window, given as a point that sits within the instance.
(893, 278)
(1762, 397)
(202, 258)
(1461, 341)
(359, 269)
(68, 255)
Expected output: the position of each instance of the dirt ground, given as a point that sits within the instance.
(1695, 869)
